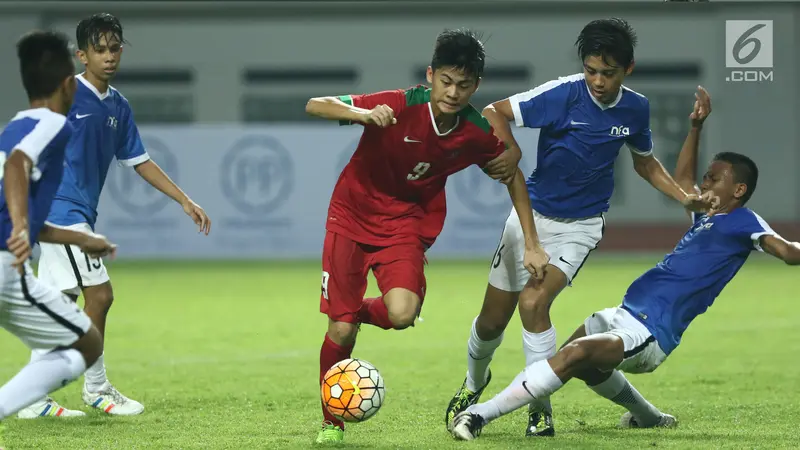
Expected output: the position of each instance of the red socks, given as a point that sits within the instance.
(330, 354)
(373, 311)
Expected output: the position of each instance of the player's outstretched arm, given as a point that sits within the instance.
(332, 108)
(94, 245)
(157, 178)
(683, 186)
(536, 258)
(17, 169)
(788, 252)
(499, 114)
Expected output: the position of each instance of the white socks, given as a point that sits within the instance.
(536, 381)
(44, 374)
(479, 355)
(95, 376)
(620, 391)
(538, 347)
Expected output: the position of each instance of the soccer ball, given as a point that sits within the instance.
(352, 390)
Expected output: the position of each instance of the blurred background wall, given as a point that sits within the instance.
(219, 89)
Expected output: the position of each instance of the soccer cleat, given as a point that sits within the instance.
(666, 421)
(463, 399)
(47, 408)
(467, 426)
(540, 423)
(109, 400)
(330, 433)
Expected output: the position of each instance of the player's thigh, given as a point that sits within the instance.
(569, 242)
(641, 353)
(38, 314)
(68, 269)
(400, 273)
(507, 271)
(344, 278)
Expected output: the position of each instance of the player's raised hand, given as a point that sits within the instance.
(381, 115)
(198, 215)
(707, 203)
(19, 245)
(702, 106)
(97, 246)
(504, 167)
(535, 261)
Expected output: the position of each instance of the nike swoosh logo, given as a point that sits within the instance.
(561, 258)
(408, 139)
(525, 386)
(81, 116)
(572, 122)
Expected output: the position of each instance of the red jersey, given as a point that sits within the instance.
(392, 189)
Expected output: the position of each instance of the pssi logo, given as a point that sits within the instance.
(620, 131)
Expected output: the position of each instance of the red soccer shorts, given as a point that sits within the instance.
(346, 263)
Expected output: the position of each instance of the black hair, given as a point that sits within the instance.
(744, 171)
(607, 38)
(461, 49)
(45, 61)
(91, 29)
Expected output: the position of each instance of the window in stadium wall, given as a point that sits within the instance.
(158, 96)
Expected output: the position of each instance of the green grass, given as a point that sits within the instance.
(224, 355)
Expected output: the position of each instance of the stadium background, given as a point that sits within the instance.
(219, 89)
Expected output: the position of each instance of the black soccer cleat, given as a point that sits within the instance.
(540, 423)
(467, 426)
(463, 399)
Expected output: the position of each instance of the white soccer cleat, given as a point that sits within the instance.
(109, 400)
(467, 426)
(47, 408)
(666, 421)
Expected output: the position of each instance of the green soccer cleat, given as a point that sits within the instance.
(540, 423)
(330, 434)
(463, 399)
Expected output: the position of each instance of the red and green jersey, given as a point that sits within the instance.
(392, 189)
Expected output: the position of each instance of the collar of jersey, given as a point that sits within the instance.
(435, 128)
(601, 104)
(92, 88)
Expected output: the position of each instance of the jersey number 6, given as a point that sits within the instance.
(419, 170)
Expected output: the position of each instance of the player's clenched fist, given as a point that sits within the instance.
(535, 260)
(381, 115)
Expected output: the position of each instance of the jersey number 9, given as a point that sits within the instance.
(419, 170)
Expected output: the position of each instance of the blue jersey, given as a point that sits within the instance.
(669, 296)
(42, 135)
(104, 130)
(579, 141)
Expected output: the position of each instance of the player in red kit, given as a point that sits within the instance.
(388, 205)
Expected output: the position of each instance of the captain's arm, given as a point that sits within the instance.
(788, 252)
(334, 108)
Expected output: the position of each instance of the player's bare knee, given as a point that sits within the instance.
(535, 302)
(498, 308)
(90, 345)
(342, 333)
(403, 307)
(99, 298)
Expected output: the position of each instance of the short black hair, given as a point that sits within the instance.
(45, 61)
(91, 29)
(461, 49)
(606, 38)
(744, 171)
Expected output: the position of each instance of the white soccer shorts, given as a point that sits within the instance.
(642, 352)
(67, 268)
(568, 242)
(35, 312)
